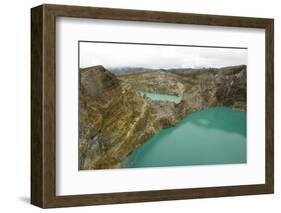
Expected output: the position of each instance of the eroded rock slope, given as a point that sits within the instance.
(115, 116)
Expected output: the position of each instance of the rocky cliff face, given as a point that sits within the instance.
(115, 117)
(113, 120)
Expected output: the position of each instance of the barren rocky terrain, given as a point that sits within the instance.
(116, 117)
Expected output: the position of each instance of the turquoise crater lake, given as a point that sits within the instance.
(213, 136)
(163, 97)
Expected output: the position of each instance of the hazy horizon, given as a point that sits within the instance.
(123, 55)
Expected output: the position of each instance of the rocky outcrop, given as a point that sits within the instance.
(198, 88)
(155, 81)
(115, 117)
(113, 120)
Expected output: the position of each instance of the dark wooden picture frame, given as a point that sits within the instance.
(43, 105)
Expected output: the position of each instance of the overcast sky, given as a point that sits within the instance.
(158, 56)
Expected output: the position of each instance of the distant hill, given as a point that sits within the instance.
(123, 70)
(127, 69)
(144, 69)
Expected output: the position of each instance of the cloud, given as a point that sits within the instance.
(158, 56)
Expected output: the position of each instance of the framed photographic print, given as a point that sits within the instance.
(136, 106)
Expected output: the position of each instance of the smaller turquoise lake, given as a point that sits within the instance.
(213, 136)
(163, 97)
